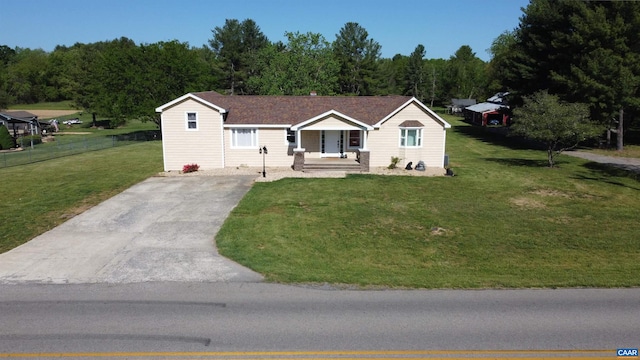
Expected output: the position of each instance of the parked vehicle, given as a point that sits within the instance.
(72, 121)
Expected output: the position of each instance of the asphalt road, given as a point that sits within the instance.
(210, 319)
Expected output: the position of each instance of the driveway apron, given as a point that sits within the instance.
(161, 229)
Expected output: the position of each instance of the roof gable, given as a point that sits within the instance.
(192, 97)
(417, 102)
(335, 114)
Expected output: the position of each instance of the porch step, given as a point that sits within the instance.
(351, 167)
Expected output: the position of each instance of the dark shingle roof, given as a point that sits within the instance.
(18, 115)
(411, 124)
(284, 110)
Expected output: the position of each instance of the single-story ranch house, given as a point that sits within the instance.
(218, 131)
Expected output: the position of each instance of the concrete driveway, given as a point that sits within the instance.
(162, 229)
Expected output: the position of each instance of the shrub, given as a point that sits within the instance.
(394, 162)
(190, 168)
(26, 140)
(6, 141)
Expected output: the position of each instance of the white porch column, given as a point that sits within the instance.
(298, 139)
(365, 135)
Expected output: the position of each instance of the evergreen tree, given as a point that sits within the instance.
(584, 51)
(467, 74)
(415, 76)
(357, 56)
(236, 45)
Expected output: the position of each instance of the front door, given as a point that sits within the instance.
(330, 143)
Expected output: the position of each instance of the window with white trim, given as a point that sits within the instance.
(244, 138)
(355, 138)
(192, 120)
(410, 137)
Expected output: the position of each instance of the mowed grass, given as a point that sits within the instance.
(504, 220)
(39, 196)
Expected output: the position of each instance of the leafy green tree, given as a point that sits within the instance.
(26, 76)
(6, 56)
(357, 56)
(415, 75)
(130, 81)
(6, 141)
(303, 65)
(500, 49)
(467, 74)
(558, 126)
(584, 51)
(435, 71)
(236, 45)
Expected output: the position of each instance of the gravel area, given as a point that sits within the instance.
(277, 173)
(630, 164)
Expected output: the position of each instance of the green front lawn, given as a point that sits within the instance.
(36, 197)
(504, 220)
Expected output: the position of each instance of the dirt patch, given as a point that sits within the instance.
(50, 114)
(528, 203)
(439, 231)
(547, 192)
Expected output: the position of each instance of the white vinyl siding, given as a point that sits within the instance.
(182, 145)
(385, 143)
(280, 154)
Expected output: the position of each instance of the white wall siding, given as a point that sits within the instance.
(181, 146)
(279, 152)
(385, 142)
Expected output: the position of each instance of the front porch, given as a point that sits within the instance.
(359, 164)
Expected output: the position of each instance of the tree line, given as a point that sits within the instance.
(120, 79)
(585, 53)
(562, 52)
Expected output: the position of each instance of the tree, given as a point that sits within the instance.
(415, 76)
(390, 77)
(500, 49)
(558, 126)
(466, 74)
(357, 56)
(130, 81)
(6, 141)
(6, 56)
(26, 75)
(583, 51)
(435, 70)
(303, 65)
(236, 45)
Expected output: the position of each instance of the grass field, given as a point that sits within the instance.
(504, 220)
(37, 197)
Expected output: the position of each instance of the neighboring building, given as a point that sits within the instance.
(20, 123)
(217, 131)
(494, 110)
(457, 105)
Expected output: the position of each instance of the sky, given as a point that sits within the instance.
(442, 26)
